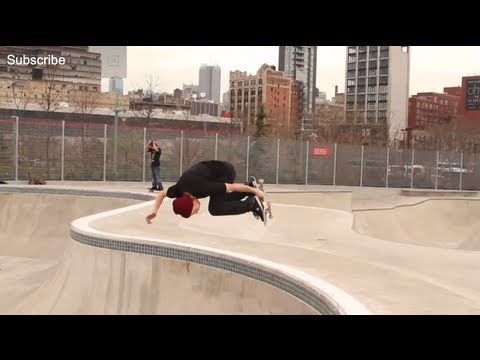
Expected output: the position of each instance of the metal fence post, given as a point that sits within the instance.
(413, 162)
(361, 168)
(105, 153)
(306, 162)
(216, 146)
(278, 159)
(16, 147)
(436, 173)
(144, 151)
(461, 171)
(181, 153)
(334, 164)
(386, 169)
(248, 157)
(63, 151)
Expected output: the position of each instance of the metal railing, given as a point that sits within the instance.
(82, 151)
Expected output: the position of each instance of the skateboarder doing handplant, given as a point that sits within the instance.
(214, 179)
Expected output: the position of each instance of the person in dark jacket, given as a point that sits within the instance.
(214, 179)
(155, 153)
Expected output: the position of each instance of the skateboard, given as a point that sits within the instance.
(267, 207)
(150, 190)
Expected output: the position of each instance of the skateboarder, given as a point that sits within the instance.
(214, 179)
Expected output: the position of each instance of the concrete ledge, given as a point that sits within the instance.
(438, 193)
(45, 189)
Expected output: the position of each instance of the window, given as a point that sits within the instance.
(362, 65)
(372, 81)
(351, 73)
(352, 58)
(418, 104)
(362, 73)
(351, 66)
(350, 82)
(372, 97)
(360, 116)
(37, 74)
(372, 72)
(372, 89)
(383, 80)
(361, 89)
(352, 50)
(350, 116)
(384, 63)
(362, 81)
(383, 88)
(382, 97)
(372, 64)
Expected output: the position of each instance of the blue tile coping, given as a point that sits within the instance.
(320, 295)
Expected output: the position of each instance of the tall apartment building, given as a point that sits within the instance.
(278, 93)
(377, 87)
(300, 62)
(209, 82)
(429, 108)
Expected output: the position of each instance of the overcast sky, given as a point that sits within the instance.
(431, 68)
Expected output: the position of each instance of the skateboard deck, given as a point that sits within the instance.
(267, 206)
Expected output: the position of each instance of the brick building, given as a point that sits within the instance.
(429, 108)
(277, 93)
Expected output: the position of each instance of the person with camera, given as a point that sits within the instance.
(155, 153)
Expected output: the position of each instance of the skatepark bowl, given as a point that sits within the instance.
(75, 248)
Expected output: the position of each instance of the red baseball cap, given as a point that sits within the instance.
(183, 206)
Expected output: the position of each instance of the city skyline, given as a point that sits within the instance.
(432, 67)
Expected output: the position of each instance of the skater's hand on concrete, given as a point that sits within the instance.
(150, 216)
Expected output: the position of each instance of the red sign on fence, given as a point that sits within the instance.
(321, 151)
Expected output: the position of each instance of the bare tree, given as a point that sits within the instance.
(19, 97)
(147, 107)
(85, 102)
(451, 135)
(53, 95)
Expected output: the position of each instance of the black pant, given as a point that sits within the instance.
(229, 203)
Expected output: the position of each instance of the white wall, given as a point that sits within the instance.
(399, 69)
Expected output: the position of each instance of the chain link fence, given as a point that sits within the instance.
(96, 152)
